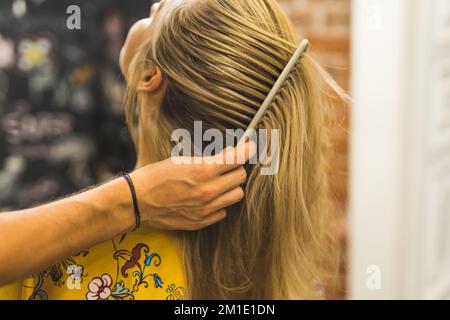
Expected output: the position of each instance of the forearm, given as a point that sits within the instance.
(170, 196)
(34, 239)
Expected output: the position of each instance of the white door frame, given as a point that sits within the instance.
(400, 161)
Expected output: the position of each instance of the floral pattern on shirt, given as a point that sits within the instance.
(137, 270)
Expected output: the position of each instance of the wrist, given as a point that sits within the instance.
(122, 211)
(113, 206)
(137, 214)
(145, 180)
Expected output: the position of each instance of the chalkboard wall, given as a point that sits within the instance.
(62, 126)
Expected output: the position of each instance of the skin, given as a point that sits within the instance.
(151, 88)
(170, 196)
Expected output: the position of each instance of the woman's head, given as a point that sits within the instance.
(215, 61)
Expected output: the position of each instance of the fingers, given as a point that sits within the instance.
(224, 183)
(232, 158)
(209, 220)
(217, 187)
(228, 160)
(212, 212)
(228, 199)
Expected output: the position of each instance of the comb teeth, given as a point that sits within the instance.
(299, 53)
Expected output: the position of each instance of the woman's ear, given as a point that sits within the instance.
(151, 81)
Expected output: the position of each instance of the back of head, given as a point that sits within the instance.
(221, 58)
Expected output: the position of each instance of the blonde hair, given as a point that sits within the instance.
(220, 59)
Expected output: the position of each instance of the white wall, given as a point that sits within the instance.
(400, 181)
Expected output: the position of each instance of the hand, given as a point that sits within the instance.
(191, 197)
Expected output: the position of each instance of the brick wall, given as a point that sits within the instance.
(326, 23)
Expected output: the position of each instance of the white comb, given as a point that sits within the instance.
(299, 53)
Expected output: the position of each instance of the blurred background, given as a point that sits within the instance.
(62, 126)
(61, 114)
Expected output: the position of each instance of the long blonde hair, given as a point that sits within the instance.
(220, 59)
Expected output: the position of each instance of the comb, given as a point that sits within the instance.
(299, 53)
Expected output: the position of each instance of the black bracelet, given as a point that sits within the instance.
(135, 203)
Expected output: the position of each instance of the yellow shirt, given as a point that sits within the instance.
(144, 265)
